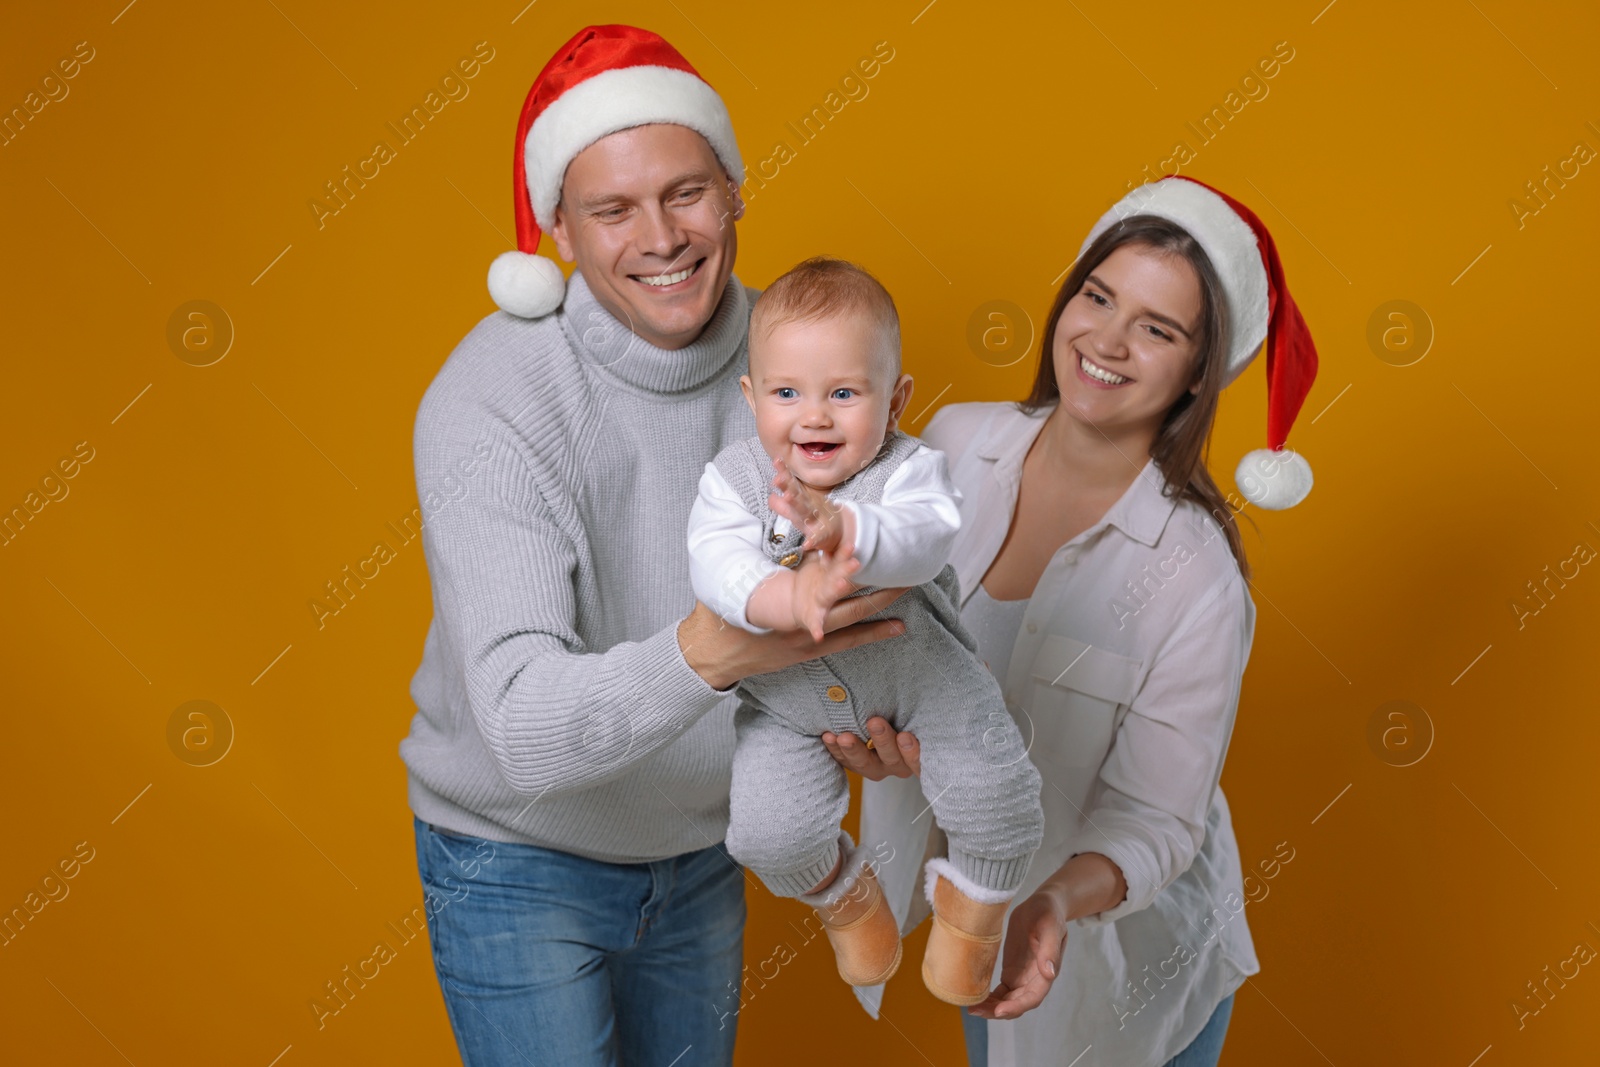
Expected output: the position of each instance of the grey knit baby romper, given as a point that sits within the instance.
(789, 795)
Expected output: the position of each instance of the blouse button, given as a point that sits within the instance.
(1033, 629)
(837, 694)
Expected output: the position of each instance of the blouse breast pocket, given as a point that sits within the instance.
(1080, 695)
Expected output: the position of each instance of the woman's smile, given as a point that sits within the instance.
(1097, 375)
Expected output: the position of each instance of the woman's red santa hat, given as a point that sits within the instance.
(606, 79)
(1259, 308)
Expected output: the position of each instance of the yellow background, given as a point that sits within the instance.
(182, 562)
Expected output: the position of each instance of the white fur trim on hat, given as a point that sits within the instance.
(939, 867)
(526, 285)
(618, 100)
(1273, 480)
(1229, 243)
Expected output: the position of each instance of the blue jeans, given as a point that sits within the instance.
(1204, 1051)
(546, 958)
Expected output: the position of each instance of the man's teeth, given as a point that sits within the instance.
(666, 279)
(1099, 375)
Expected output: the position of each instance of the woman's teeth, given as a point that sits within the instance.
(1099, 375)
(668, 279)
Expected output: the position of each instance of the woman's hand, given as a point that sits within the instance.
(1036, 938)
(892, 755)
(1036, 932)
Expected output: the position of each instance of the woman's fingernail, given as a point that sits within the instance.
(1049, 969)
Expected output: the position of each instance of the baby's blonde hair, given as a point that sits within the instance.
(823, 287)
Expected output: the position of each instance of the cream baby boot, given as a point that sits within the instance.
(858, 921)
(965, 939)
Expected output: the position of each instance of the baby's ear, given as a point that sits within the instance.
(898, 400)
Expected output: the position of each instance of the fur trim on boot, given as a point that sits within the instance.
(965, 939)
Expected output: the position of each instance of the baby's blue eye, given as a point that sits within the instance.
(842, 389)
(782, 390)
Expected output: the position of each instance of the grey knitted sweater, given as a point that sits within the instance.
(554, 706)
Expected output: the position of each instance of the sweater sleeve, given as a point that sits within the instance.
(555, 715)
(906, 538)
(725, 558)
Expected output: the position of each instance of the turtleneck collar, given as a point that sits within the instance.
(604, 342)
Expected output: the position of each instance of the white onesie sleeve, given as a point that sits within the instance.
(906, 538)
(726, 561)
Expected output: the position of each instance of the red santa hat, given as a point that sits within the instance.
(607, 78)
(1259, 308)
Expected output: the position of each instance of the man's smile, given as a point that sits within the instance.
(668, 281)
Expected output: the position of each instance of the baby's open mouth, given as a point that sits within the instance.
(818, 449)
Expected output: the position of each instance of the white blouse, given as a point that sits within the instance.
(1124, 678)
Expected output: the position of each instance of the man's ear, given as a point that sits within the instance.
(559, 234)
(734, 199)
(898, 401)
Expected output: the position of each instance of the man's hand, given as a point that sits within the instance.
(722, 653)
(892, 755)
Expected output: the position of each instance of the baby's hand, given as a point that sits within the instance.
(821, 582)
(827, 526)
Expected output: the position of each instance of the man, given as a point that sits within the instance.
(569, 761)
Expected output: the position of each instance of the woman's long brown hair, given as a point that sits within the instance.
(1183, 441)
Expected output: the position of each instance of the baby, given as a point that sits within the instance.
(830, 499)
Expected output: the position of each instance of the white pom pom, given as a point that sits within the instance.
(526, 286)
(1273, 480)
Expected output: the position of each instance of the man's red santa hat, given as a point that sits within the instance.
(607, 78)
(1259, 308)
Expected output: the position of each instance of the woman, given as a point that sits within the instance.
(1104, 578)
